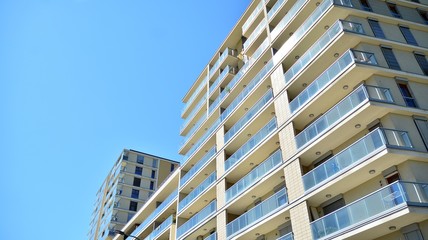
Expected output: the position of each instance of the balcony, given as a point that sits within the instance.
(304, 28)
(258, 213)
(328, 76)
(146, 223)
(220, 78)
(201, 140)
(358, 152)
(197, 219)
(195, 93)
(325, 40)
(251, 18)
(208, 182)
(288, 236)
(201, 163)
(193, 129)
(254, 176)
(375, 206)
(249, 115)
(193, 113)
(161, 228)
(259, 29)
(250, 144)
(220, 60)
(275, 9)
(341, 110)
(212, 236)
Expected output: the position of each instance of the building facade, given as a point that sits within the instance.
(309, 122)
(133, 179)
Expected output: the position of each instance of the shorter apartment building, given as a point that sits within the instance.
(133, 179)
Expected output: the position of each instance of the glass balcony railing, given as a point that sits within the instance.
(195, 93)
(328, 37)
(250, 144)
(256, 174)
(161, 228)
(288, 236)
(341, 110)
(378, 203)
(257, 213)
(220, 78)
(250, 114)
(212, 236)
(197, 166)
(262, 25)
(193, 113)
(201, 140)
(304, 28)
(146, 223)
(251, 18)
(287, 18)
(197, 191)
(250, 86)
(220, 60)
(359, 151)
(198, 218)
(194, 128)
(249, 62)
(328, 76)
(274, 9)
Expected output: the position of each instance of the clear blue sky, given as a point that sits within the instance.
(79, 81)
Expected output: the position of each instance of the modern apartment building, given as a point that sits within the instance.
(309, 122)
(133, 179)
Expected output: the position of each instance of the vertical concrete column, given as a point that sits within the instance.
(300, 221)
(220, 137)
(287, 141)
(293, 180)
(220, 164)
(282, 109)
(277, 80)
(221, 225)
(221, 192)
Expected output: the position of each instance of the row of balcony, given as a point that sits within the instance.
(197, 191)
(197, 219)
(195, 93)
(161, 228)
(200, 164)
(252, 16)
(275, 9)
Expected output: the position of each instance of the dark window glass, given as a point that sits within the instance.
(407, 95)
(365, 5)
(140, 159)
(155, 163)
(423, 63)
(377, 30)
(424, 15)
(153, 174)
(152, 185)
(137, 182)
(390, 58)
(333, 206)
(138, 170)
(125, 157)
(408, 35)
(172, 167)
(133, 206)
(393, 9)
(135, 193)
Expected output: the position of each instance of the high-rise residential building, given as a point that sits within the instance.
(133, 179)
(309, 122)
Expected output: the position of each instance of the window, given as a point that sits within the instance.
(140, 159)
(393, 9)
(424, 15)
(125, 157)
(130, 215)
(135, 193)
(133, 206)
(422, 126)
(155, 163)
(332, 205)
(377, 30)
(407, 95)
(152, 185)
(408, 35)
(390, 58)
(153, 174)
(137, 182)
(365, 5)
(412, 232)
(422, 61)
(138, 170)
(172, 167)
